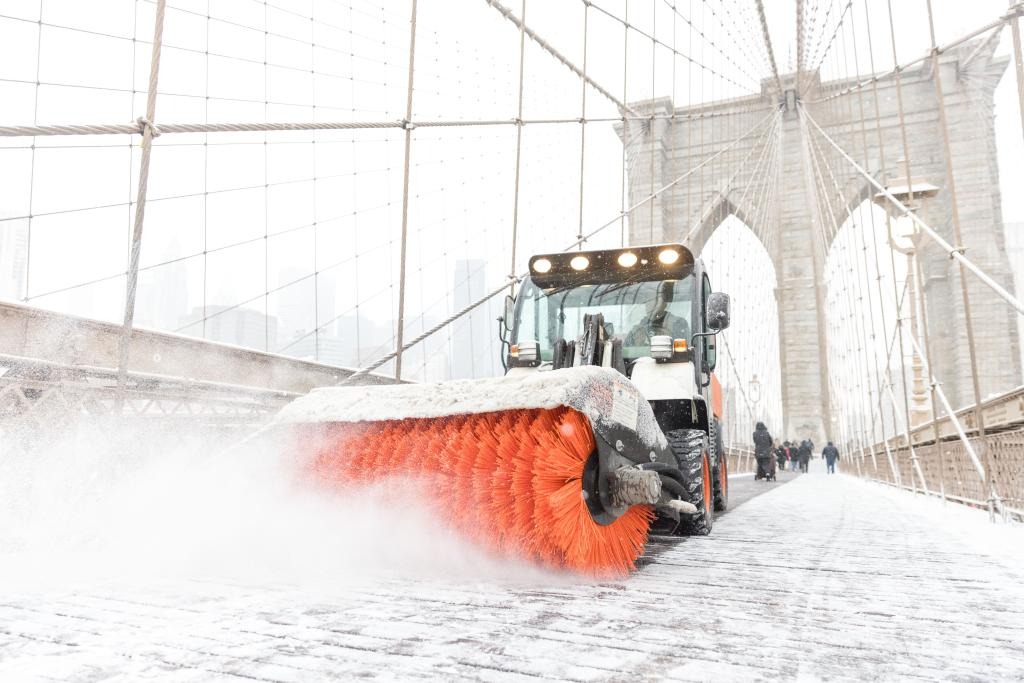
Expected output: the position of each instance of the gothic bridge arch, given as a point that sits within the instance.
(660, 150)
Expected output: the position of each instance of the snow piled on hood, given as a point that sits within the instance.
(589, 389)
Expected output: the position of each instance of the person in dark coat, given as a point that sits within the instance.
(781, 455)
(792, 455)
(762, 450)
(830, 454)
(806, 449)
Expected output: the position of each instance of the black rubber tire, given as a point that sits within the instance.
(690, 446)
(721, 483)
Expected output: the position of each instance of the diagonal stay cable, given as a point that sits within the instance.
(728, 187)
(839, 25)
(824, 28)
(622, 214)
(768, 45)
(547, 47)
(517, 278)
(633, 27)
(707, 39)
(997, 24)
(739, 385)
(956, 253)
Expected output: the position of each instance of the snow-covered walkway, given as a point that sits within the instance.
(823, 578)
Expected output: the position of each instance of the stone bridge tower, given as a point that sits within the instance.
(660, 151)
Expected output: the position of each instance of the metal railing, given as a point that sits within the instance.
(739, 460)
(950, 474)
(43, 402)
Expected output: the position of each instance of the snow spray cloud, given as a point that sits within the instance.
(185, 507)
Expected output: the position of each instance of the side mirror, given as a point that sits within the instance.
(718, 311)
(510, 311)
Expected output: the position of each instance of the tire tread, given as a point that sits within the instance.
(689, 447)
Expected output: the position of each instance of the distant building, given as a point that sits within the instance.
(470, 340)
(239, 326)
(13, 259)
(321, 349)
(304, 305)
(162, 297)
(295, 304)
(365, 339)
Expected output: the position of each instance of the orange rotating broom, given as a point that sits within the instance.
(547, 481)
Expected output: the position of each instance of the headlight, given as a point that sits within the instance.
(526, 350)
(668, 256)
(579, 262)
(627, 259)
(541, 265)
(661, 346)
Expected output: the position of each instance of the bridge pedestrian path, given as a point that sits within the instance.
(824, 577)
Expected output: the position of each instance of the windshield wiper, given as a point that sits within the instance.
(617, 287)
(559, 290)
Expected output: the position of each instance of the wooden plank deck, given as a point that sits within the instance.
(821, 578)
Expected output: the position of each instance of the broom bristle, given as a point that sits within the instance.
(510, 481)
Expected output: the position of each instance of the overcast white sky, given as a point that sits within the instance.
(239, 209)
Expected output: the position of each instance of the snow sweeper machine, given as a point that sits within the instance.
(603, 430)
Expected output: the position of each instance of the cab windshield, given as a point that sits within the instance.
(633, 312)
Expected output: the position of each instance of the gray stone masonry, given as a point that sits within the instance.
(660, 151)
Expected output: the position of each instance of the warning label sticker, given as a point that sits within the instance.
(624, 408)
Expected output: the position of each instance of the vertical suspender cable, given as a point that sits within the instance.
(922, 313)
(670, 233)
(149, 131)
(266, 176)
(910, 198)
(866, 337)
(874, 253)
(1018, 57)
(519, 151)
(625, 126)
(650, 123)
(206, 159)
(897, 323)
(689, 105)
(958, 236)
(32, 163)
(799, 41)
(583, 122)
(316, 268)
(405, 196)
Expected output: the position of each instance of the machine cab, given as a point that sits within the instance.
(648, 312)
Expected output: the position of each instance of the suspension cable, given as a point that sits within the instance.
(954, 253)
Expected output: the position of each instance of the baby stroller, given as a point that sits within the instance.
(765, 469)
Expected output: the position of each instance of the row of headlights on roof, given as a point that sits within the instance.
(626, 259)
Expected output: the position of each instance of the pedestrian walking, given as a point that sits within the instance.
(794, 455)
(762, 450)
(830, 454)
(781, 455)
(806, 450)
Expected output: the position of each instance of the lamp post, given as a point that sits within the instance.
(904, 238)
(754, 389)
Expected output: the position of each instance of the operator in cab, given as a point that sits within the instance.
(658, 320)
